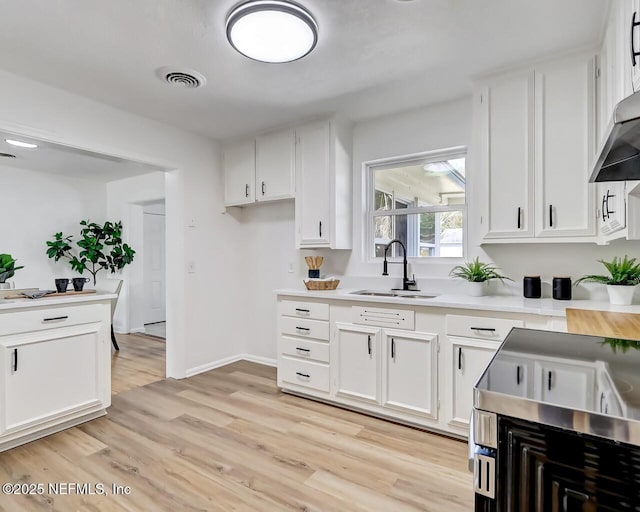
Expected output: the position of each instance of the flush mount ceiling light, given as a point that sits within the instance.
(272, 31)
(20, 144)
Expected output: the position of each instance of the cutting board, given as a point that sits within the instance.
(604, 323)
(67, 294)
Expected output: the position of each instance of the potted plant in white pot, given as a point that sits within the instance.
(477, 274)
(623, 278)
(7, 270)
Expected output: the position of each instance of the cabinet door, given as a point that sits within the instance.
(633, 42)
(468, 360)
(565, 133)
(51, 377)
(239, 173)
(358, 350)
(611, 207)
(564, 384)
(511, 376)
(275, 166)
(313, 184)
(410, 366)
(507, 112)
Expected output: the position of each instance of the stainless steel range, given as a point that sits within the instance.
(556, 424)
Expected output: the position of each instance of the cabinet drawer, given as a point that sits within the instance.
(304, 373)
(384, 317)
(302, 327)
(311, 310)
(480, 327)
(30, 320)
(305, 349)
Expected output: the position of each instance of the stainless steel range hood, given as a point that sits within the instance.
(619, 158)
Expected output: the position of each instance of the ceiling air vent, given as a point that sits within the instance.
(185, 78)
(7, 155)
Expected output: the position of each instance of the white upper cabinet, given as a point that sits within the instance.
(323, 182)
(507, 148)
(633, 40)
(564, 148)
(537, 136)
(239, 173)
(260, 169)
(275, 166)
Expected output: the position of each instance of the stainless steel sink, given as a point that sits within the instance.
(393, 293)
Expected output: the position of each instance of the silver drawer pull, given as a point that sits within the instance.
(55, 319)
(306, 376)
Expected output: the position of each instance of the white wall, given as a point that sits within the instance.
(125, 202)
(204, 327)
(35, 206)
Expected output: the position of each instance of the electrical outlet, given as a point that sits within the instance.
(191, 267)
(192, 222)
(291, 268)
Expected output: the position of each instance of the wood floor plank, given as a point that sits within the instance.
(229, 440)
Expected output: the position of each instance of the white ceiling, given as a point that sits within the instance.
(70, 162)
(373, 57)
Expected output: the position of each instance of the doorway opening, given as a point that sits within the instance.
(154, 254)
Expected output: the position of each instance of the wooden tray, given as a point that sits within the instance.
(83, 292)
(322, 285)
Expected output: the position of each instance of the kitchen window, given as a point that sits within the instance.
(419, 200)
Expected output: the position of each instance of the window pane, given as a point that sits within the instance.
(425, 184)
(424, 235)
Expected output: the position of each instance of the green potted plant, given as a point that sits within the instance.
(477, 274)
(100, 247)
(7, 270)
(623, 278)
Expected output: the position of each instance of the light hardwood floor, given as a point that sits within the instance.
(229, 440)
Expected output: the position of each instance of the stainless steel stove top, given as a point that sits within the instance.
(583, 383)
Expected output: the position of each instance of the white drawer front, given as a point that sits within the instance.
(304, 328)
(304, 349)
(384, 317)
(311, 310)
(29, 320)
(304, 373)
(478, 327)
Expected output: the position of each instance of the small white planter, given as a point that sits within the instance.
(6, 286)
(477, 289)
(621, 295)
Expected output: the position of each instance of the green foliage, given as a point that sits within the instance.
(625, 272)
(100, 247)
(7, 267)
(622, 345)
(477, 272)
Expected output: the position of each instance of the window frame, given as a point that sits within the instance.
(369, 169)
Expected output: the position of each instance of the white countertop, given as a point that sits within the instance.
(501, 303)
(12, 304)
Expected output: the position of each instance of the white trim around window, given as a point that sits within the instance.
(369, 213)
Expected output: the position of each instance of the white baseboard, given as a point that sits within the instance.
(138, 330)
(267, 361)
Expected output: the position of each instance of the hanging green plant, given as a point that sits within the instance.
(100, 247)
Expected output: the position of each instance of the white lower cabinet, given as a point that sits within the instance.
(513, 375)
(358, 362)
(468, 358)
(55, 369)
(410, 367)
(420, 371)
(564, 384)
(49, 376)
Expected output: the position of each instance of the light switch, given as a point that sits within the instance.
(291, 268)
(191, 267)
